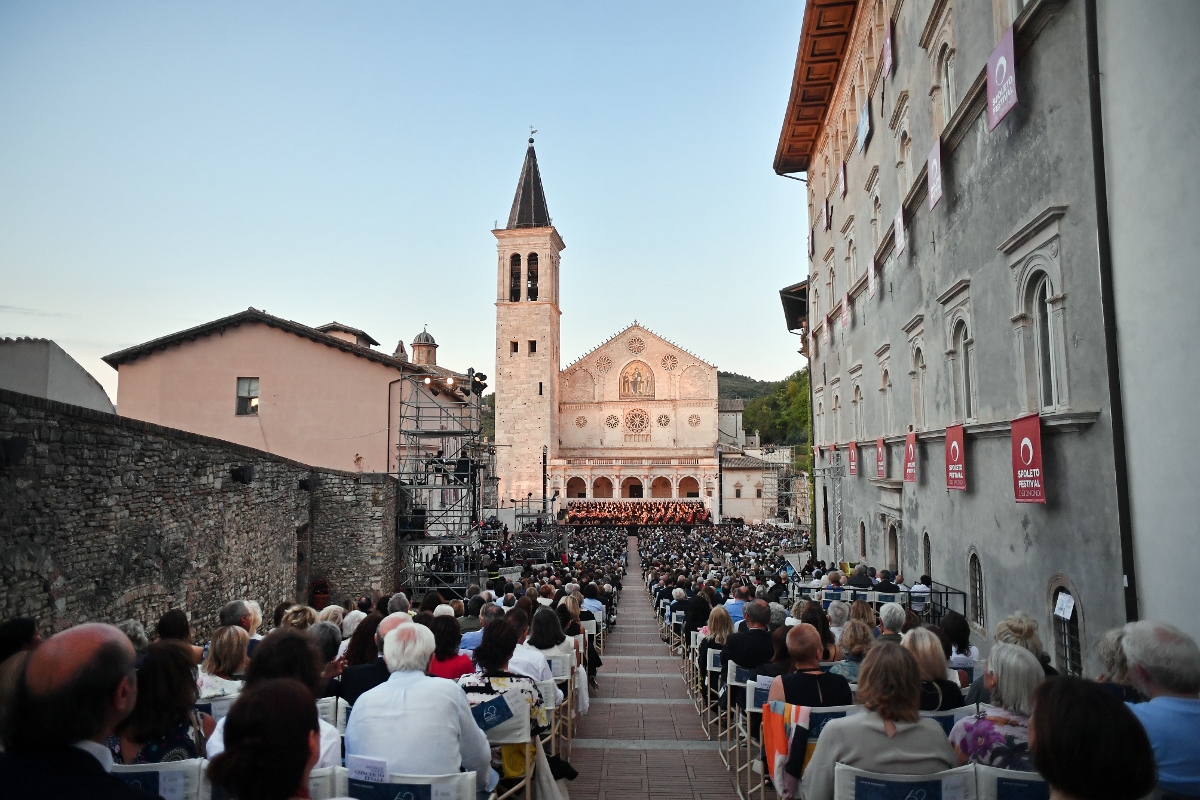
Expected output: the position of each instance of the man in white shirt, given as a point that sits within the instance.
(434, 710)
(526, 659)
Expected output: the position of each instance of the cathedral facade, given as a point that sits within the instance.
(634, 418)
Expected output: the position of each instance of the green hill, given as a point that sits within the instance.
(731, 385)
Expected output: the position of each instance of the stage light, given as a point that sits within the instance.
(449, 381)
(428, 381)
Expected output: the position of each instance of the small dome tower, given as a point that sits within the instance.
(424, 349)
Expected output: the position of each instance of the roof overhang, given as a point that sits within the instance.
(824, 42)
(795, 305)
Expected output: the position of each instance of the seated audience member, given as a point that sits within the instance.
(963, 654)
(1019, 629)
(239, 613)
(779, 616)
(458, 607)
(889, 735)
(226, 661)
(856, 640)
(861, 610)
(362, 648)
(333, 614)
(397, 603)
(487, 615)
(1115, 674)
(918, 595)
(859, 580)
(328, 639)
(937, 692)
(444, 610)
(891, 620)
(735, 604)
(998, 735)
(272, 743)
(839, 615)
(74, 690)
(350, 623)
(174, 625)
(885, 582)
(136, 633)
(807, 685)
(280, 610)
(547, 637)
(814, 615)
(1087, 744)
(526, 660)
(286, 653)
(1164, 665)
(299, 618)
(719, 629)
(470, 622)
(365, 605)
(446, 661)
(21, 633)
(781, 662)
(163, 725)
(409, 700)
(751, 646)
(495, 677)
(364, 677)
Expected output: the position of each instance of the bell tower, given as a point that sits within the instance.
(527, 338)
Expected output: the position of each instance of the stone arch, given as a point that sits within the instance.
(692, 383)
(602, 488)
(576, 488)
(660, 487)
(689, 487)
(632, 487)
(579, 387)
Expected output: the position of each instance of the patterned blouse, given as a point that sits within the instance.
(481, 688)
(995, 737)
(183, 742)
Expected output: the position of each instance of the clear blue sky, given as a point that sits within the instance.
(165, 164)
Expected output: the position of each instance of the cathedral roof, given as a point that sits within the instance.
(636, 326)
(529, 205)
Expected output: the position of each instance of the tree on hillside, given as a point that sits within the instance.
(783, 416)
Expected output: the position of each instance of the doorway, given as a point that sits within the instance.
(893, 549)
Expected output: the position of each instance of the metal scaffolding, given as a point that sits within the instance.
(444, 468)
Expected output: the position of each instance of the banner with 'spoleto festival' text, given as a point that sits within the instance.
(852, 457)
(1029, 480)
(1001, 80)
(880, 459)
(956, 457)
(910, 458)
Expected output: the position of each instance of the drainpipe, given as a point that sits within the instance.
(1109, 314)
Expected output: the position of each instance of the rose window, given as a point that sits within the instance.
(637, 420)
(603, 364)
(663, 420)
(637, 345)
(612, 421)
(669, 362)
(694, 420)
(581, 422)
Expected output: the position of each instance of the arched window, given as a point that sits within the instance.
(926, 555)
(904, 164)
(531, 277)
(820, 432)
(975, 596)
(964, 347)
(862, 540)
(514, 278)
(1066, 637)
(1044, 343)
(919, 389)
(876, 214)
(946, 79)
(858, 432)
(836, 410)
(885, 408)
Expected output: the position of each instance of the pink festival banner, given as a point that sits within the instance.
(871, 279)
(846, 310)
(880, 459)
(852, 457)
(910, 458)
(887, 51)
(956, 456)
(933, 172)
(1001, 80)
(901, 237)
(1029, 482)
(842, 179)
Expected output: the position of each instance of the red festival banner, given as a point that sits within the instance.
(1029, 482)
(956, 457)
(887, 51)
(933, 173)
(1001, 80)
(880, 459)
(852, 457)
(846, 310)
(910, 458)
(900, 236)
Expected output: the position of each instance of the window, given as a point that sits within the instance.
(964, 380)
(531, 277)
(885, 408)
(758, 493)
(926, 555)
(975, 598)
(514, 279)
(1066, 638)
(876, 214)
(862, 540)
(836, 417)
(1044, 343)
(532, 346)
(859, 432)
(946, 79)
(737, 490)
(904, 164)
(919, 390)
(514, 347)
(539, 387)
(247, 396)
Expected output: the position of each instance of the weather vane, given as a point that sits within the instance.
(532, 131)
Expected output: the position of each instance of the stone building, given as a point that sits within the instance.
(41, 368)
(968, 265)
(636, 417)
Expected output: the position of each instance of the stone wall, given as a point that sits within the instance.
(107, 518)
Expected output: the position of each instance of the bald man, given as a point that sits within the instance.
(76, 687)
(364, 677)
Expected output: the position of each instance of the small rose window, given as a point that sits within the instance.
(694, 420)
(612, 421)
(581, 422)
(637, 345)
(603, 364)
(663, 420)
(669, 362)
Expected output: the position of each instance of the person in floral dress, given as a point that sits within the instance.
(998, 735)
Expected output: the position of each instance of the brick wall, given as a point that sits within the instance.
(107, 518)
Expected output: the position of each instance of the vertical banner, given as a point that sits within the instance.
(871, 279)
(852, 457)
(880, 459)
(864, 125)
(1001, 80)
(910, 458)
(812, 241)
(933, 172)
(1029, 483)
(816, 454)
(825, 331)
(846, 310)
(956, 456)
(842, 179)
(828, 214)
(901, 238)
(887, 51)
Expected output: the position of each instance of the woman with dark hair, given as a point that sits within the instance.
(1087, 744)
(547, 637)
(493, 678)
(958, 630)
(163, 725)
(446, 661)
(696, 616)
(781, 662)
(362, 648)
(273, 741)
(430, 601)
(280, 610)
(814, 615)
(889, 735)
(287, 653)
(174, 625)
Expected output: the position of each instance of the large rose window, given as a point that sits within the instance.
(637, 420)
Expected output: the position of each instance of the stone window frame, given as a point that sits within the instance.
(886, 415)
(1034, 250)
(926, 553)
(1061, 630)
(819, 417)
(976, 593)
(835, 411)
(956, 313)
(937, 39)
(857, 403)
(918, 370)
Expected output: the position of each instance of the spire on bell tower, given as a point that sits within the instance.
(529, 205)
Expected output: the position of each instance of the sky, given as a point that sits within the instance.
(166, 164)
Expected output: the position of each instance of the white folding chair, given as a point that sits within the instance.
(735, 677)
(343, 716)
(993, 783)
(712, 668)
(589, 630)
(676, 632)
(327, 709)
(462, 784)
(562, 668)
(549, 692)
(216, 707)
(850, 783)
(328, 782)
(516, 731)
(184, 780)
(948, 719)
(756, 696)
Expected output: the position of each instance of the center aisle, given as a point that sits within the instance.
(643, 737)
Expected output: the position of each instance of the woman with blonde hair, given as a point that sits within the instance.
(889, 735)
(332, 614)
(299, 618)
(861, 610)
(856, 641)
(719, 629)
(937, 693)
(225, 661)
(1022, 630)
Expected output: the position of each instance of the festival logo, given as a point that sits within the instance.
(1029, 484)
(956, 470)
(880, 459)
(910, 458)
(934, 173)
(852, 457)
(1001, 80)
